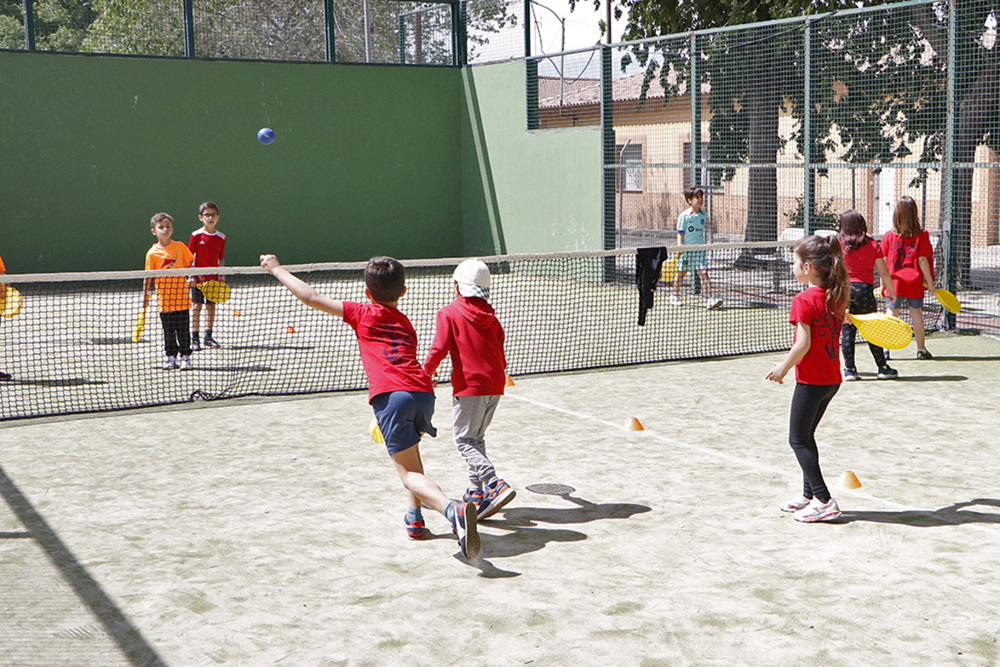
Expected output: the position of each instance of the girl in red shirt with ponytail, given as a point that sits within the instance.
(818, 314)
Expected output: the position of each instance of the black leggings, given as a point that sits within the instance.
(862, 302)
(808, 405)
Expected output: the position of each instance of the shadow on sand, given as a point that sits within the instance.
(525, 536)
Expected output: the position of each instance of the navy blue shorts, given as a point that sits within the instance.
(402, 416)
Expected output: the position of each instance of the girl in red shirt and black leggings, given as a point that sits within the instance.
(817, 313)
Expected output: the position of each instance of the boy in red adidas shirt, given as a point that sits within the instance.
(468, 329)
(208, 246)
(399, 391)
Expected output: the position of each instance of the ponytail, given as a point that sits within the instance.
(825, 255)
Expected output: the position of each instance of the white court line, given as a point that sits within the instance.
(743, 461)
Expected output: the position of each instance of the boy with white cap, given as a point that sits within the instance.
(468, 329)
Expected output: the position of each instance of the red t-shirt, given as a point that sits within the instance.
(470, 331)
(388, 345)
(208, 250)
(821, 365)
(901, 255)
(861, 261)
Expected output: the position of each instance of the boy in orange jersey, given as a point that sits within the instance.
(3, 376)
(173, 300)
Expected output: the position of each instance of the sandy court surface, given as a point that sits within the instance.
(271, 533)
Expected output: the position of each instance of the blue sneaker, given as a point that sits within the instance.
(474, 495)
(497, 496)
(415, 529)
(463, 523)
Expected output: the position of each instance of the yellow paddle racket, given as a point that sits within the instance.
(215, 291)
(883, 330)
(669, 270)
(140, 323)
(376, 432)
(948, 300)
(11, 301)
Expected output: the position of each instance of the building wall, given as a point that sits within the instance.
(525, 191)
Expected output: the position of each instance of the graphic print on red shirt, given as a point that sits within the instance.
(208, 250)
(388, 345)
(821, 365)
(901, 254)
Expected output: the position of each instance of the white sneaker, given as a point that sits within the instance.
(711, 303)
(817, 511)
(675, 299)
(170, 364)
(185, 363)
(794, 504)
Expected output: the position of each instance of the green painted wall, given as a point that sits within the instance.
(524, 191)
(367, 159)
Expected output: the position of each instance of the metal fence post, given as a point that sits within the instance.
(328, 33)
(28, 12)
(948, 168)
(608, 144)
(189, 28)
(809, 186)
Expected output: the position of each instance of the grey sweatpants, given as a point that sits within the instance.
(471, 416)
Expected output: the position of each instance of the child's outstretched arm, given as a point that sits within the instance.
(305, 293)
(883, 273)
(803, 338)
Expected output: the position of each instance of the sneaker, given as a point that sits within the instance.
(6, 376)
(851, 374)
(170, 364)
(474, 495)
(794, 504)
(924, 354)
(210, 342)
(712, 303)
(675, 299)
(886, 373)
(184, 363)
(415, 529)
(817, 511)
(496, 497)
(195, 344)
(463, 523)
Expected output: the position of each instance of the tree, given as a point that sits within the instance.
(879, 78)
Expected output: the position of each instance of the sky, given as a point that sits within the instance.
(582, 28)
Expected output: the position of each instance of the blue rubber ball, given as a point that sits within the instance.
(265, 136)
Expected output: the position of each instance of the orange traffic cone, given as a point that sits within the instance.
(290, 329)
(634, 425)
(236, 313)
(849, 480)
(510, 382)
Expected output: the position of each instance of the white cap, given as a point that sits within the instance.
(473, 278)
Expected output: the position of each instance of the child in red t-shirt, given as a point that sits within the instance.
(468, 329)
(909, 254)
(863, 257)
(399, 391)
(208, 245)
(817, 313)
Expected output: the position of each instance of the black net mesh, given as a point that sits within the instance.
(67, 340)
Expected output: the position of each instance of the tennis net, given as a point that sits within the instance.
(70, 348)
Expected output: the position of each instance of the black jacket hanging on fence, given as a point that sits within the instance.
(648, 263)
